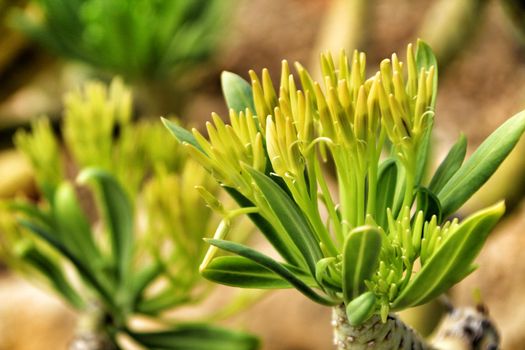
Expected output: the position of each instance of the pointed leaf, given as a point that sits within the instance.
(482, 164)
(452, 259)
(271, 265)
(98, 282)
(361, 308)
(181, 134)
(360, 259)
(196, 337)
(266, 229)
(241, 272)
(429, 204)
(52, 272)
(425, 58)
(237, 92)
(450, 165)
(291, 218)
(386, 190)
(118, 215)
(72, 224)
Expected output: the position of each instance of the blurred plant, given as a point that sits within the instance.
(143, 260)
(387, 243)
(515, 11)
(138, 39)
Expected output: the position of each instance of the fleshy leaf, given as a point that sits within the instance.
(452, 259)
(181, 134)
(386, 190)
(291, 218)
(449, 165)
(429, 204)
(196, 337)
(237, 92)
(266, 228)
(238, 271)
(72, 224)
(118, 216)
(360, 259)
(271, 265)
(482, 164)
(361, 308)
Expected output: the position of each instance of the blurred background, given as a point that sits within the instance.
(172, 60)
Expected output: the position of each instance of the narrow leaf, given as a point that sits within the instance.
(73, 225)
(425, 58)
(118, 215)
(196, 337)
(449, 165)
(237, 92)
(98, 282)
(452, 259)
(52, 272)
(271, 265)
(266, 229)
(386, 190)
(181, 134)
(429, 204)
(291, 218)
(241, 272)
(482, 164)
(360, 259)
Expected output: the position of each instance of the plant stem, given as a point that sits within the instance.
(92, 333)
(374, 334)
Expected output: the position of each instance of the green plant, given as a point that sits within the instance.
(143, 260)
(138, 39)
(387, 242)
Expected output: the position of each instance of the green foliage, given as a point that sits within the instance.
(388, 219)
(138, 39)
(144, 256)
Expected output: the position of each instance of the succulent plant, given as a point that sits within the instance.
(142, 260)
(388, 240)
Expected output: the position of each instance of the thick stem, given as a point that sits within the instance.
(91, 333)
(374, 334)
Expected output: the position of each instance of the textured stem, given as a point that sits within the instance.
(374, 334)
(92, 332)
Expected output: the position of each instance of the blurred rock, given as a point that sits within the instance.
(31, 319)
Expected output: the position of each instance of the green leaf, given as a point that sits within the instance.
(360, 259)
(429, 204)
(425, 58)
(291, 218)
(142, 280)
(52, 272)
(181, 134)
(237, 92)
(73, 225)
(452, 259)
(386, 190)
(361, 308)
(238, 271)
(271, 265)
(196, 337)
(449, 165)
(118, 214)
(98, 281)
(266, 229)
(482, 164)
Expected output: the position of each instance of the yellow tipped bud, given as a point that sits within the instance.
(324, 113)
(213, 202)
(284, 88)
(361, 115)
(268, 89)
(412, 72)
(386, 75)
